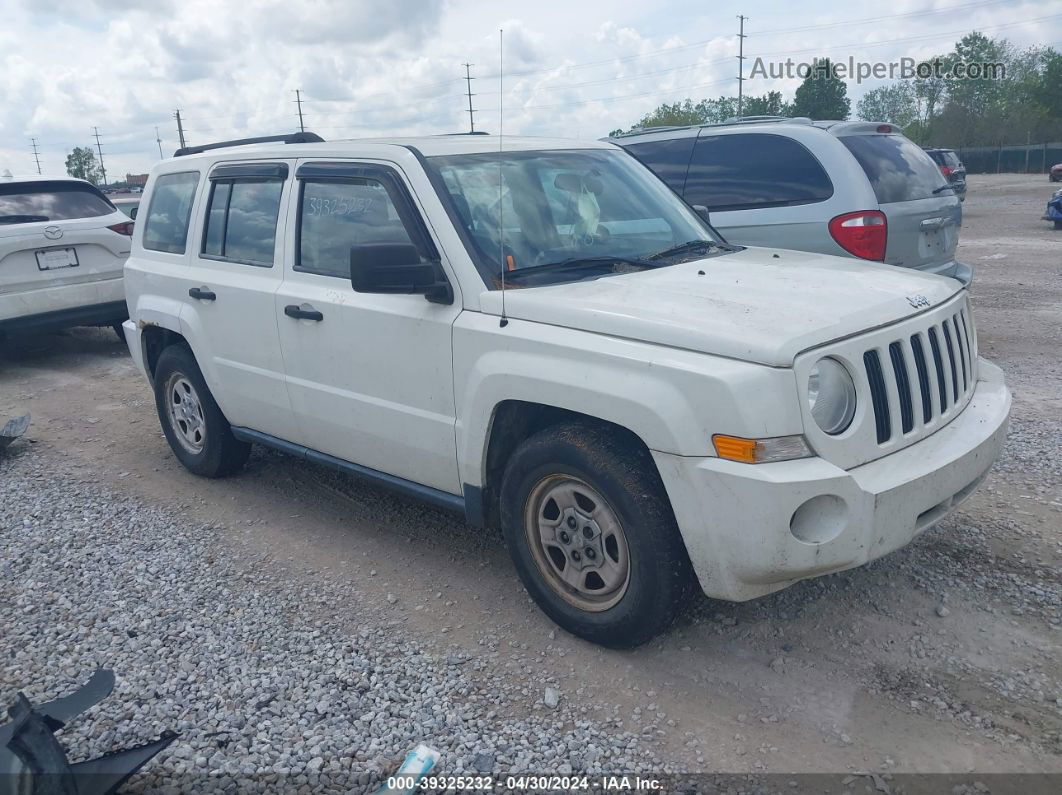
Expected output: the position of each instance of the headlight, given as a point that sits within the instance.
(831, 395)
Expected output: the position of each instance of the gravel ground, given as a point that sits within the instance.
(243, 660)
(294, 622)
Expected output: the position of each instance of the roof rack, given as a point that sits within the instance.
(290, 138)
(761, 119)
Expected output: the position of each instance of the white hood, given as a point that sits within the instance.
(759, 305)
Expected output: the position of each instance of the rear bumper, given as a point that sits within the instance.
(58, 306)
(754, 529)
(954, 269)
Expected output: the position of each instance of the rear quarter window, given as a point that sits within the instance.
(35, 202)
(898, 170)
(166, 222)
(746, 171)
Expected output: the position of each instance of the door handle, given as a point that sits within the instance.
(297, 312)
(202, 294)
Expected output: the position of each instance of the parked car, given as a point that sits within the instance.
(62, 249)
(128, 206)
(951, 167)
(1055, 174)
(548, 340)
(853, 189)
(1054, 209)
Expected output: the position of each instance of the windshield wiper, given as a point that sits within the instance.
(22, 219)
(943, 187)
(682, 248)
(576, 263)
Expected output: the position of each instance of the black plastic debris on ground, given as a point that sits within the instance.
(33, 762)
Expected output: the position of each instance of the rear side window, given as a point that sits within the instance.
(898, 170)
(350, 217)
(35, 202)
(166, 225)
(746, 171)
(242, 220)
(668, 159)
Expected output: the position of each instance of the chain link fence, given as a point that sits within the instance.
(1029, 159)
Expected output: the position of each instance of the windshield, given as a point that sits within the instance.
(592, 212)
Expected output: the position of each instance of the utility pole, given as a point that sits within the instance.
(36, 155)
(298, 101)
(180, 129)
(741, 61)
(468, 82)
(99, 149)
(158, 140)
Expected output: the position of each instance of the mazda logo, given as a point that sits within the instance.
(53, 232)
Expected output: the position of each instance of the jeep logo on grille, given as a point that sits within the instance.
(918, 301)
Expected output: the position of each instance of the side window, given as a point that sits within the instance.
(668, 159)
(745, 171)
(242, 219)
(166, 226)
(350, 217)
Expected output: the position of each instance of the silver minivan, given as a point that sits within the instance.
(855, 189)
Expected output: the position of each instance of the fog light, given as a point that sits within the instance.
(819, 520)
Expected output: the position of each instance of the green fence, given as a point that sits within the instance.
(1031, 159)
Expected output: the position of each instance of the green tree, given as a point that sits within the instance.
(822, 95)
(769, 104)
(896, 103)
(81, 164)
(1048, 91)
(680, 114)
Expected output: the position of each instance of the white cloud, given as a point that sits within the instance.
(378, 68)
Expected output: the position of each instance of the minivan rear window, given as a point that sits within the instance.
(898, 170)
(745, 171)
(35, 202)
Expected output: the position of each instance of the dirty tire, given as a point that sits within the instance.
(222, 453)
(622, 472)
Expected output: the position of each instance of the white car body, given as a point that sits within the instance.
(43, 284)
(409, 391)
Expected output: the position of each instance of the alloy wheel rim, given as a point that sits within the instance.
(186, 413)
(577, 542)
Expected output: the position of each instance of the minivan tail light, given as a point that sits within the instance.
(946, 170)
(124, 228)
(861, 234)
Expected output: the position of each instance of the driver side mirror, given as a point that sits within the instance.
(702, 211)
(397, 268)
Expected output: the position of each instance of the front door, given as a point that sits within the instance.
(370, 375)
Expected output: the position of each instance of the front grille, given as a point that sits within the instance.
(900, 376)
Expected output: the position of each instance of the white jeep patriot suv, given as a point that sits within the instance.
(545, 338)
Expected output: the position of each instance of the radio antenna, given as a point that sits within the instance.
(501, 193)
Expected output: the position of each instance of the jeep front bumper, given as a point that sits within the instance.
(751, 529)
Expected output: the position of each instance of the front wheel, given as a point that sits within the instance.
(197, 431)
(593, 536)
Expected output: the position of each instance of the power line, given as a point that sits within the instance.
(471, 113)
(35, 154)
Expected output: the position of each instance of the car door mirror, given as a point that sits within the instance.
(702, 211)
(397, 268)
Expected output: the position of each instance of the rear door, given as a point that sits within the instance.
(228, 289)
(923, 225)
(55, 233)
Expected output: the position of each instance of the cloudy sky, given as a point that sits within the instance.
(368, 67)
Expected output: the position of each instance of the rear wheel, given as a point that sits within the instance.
(592, 534)
(1058, 224)
(197, 431)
